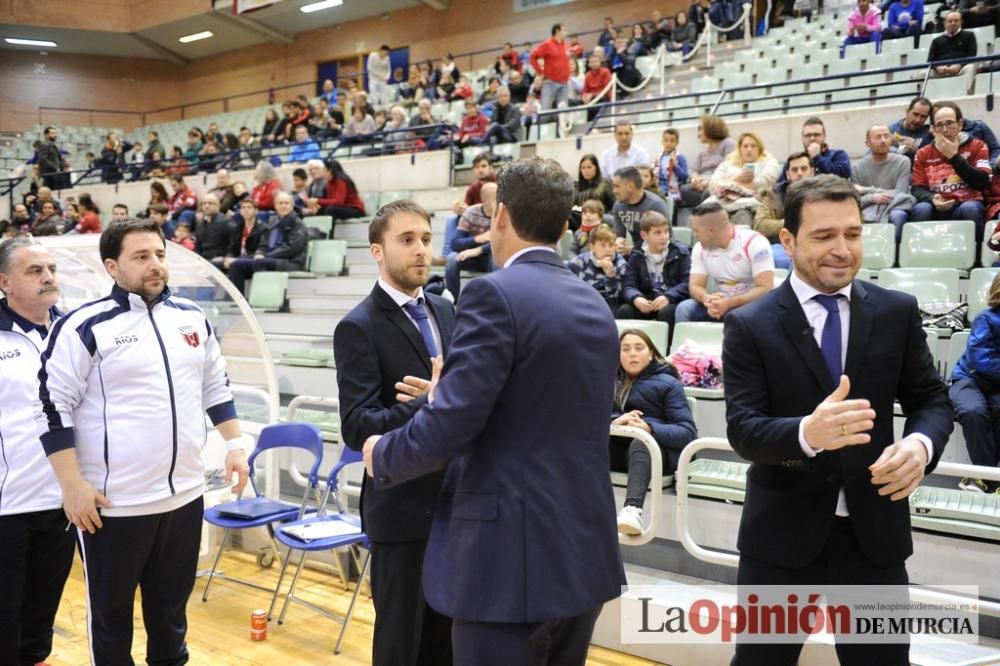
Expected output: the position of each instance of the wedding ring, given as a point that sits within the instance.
(843, 429)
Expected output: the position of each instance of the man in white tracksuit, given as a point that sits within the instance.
(36, 551)
(124, 385)
(379, 74)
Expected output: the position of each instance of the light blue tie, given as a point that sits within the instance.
(418, 312)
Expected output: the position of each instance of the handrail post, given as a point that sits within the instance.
(655, 487)
(709, 29)
(748, 18)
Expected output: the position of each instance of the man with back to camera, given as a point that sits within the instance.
(810, 385)
(522, 418)
(139, 361)
(37, 551)
(384, 349)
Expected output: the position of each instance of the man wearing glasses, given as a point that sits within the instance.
(950, 174)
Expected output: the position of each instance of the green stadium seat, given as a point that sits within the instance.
(987, 257)
(956, 348)
(928, 285)
(683, 234)
(980, 280)
(370, 199)
(327, 257)
(705, 334)
(879, 242)
(392, 195)
(658, 331)
(565, 243)
(946, 88)
(956, 512)
(950, 244)
(322, 222)
(718, 479)
(310, 358)
(267, 291)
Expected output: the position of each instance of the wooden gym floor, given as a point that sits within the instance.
(219, 630)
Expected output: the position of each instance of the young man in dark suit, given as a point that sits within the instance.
(812, 370)
(384, 349)
(524, 547)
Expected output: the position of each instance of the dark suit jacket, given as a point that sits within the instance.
(375, 346)
(775, 375)
(525, 529)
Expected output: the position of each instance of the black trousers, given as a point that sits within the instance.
(157, 553)
(408, 632)
(841, 563)
(36, 554)
(562, 642)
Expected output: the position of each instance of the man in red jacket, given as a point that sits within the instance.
(551, 63)
(950, 174)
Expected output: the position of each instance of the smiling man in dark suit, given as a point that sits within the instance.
(386, 349)
(812, 370)
(524, 548)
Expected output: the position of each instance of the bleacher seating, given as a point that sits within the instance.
(267, 291)
(949, 244)
(928, 285)
(980, 280)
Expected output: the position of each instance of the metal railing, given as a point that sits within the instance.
(655, 483)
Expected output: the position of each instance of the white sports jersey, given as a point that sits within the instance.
(734, 266)
(27, 482)
(128, 385)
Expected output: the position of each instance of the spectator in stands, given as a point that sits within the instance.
(90, 216)
(240, 229)
(119, 213)
(270, 132)
(599, 265)
(625, 153)
(864, 25)
(574, 48)
(742, 178)
(195, 142)
(978, 129)
(158, 213)
(214, 231)
(975, 392)
(714, 133)
(112, 157)
(482, 169)
(950, 174)
(529, 112)
(380, 118)
(632, 202)
(510, 56)
(304, 148)
(136, 160)
(278, 244)
(463, 89)
(153, 145)
(341, 200)
(183, 204)
(698, 14)
(576, 81)
(49, 160)
(622, 65)
(882, 178)
(379, 70)
(183, 236)
(301, 115)
(470, 248)
(395, 125)
(683, 36)
(49, 222)
(489, 94)
(214, 133)
(551, 62)
(658, 274)
(267, 186)
(826, 160)
(223, 190)
(608, 34)
(518, 87)
(738, 259)
(209, 154)
(44, 194)
(671, 168)
(22, 218)
(360, 126)
(157, 195)
(445, 88)
(649, 180)
(505, 125)
(329, 92)
(300, 182)
(905, 19)
(406, 91)
(911, 132)
(594, 83)
(769, 219)
(449, 67)
(472, 131)
(591, 217)
(648, 396)
(636, 44)
(953, 44)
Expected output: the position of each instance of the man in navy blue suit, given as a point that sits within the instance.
(812, 370)
(523, 550)
(384, 349)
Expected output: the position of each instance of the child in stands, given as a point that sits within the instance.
(182, 236)
(600, 266)
(591, 217)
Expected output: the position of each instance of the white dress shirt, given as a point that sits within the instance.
(530, 248)
(816, 315)
(402, 299)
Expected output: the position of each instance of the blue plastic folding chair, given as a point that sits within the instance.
(331, 531)
(261, 511)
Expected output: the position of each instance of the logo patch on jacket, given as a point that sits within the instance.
(190, 335)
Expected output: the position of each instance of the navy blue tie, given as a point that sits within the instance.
(831, 343)
(416, 310)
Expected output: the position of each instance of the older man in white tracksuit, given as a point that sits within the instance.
(124, 385)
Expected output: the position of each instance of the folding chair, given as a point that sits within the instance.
(292, 435)
(349, 535)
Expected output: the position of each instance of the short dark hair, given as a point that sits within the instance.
(384, 47)
(161, 208)
(114, 235)
(120, 205)
(672, 132)
(946, 105)
(707, 208)
(919, 100)
(483, 157)
(154, 133)
(798, 156)
(814, 120)
(652, 219)
(49, 128)
(538, 195)
(826, 187)
(379, 224)
(300, 173)
(556, 28)
(630, 175)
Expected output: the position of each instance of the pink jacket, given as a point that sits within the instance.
(864, 25)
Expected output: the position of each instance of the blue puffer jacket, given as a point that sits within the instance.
(981, 360)
(659, 395)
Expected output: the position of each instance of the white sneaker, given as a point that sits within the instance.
(630, 521)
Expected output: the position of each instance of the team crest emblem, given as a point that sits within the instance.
(190, 336)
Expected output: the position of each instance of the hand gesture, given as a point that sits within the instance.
(80, 502)
(643, 305)
(838, 422)
(236, 463)
(470, 253)
(367, 452)
(659, 303)
(946, 146)
(900, 469)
